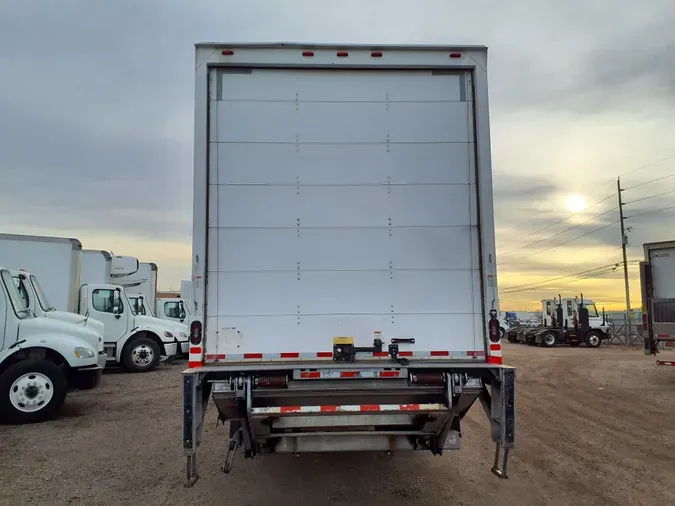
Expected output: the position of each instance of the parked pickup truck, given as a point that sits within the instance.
(343, 251)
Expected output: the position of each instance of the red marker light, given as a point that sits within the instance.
(493, 327)
(376, 54)
(455, 55)
(342, 54)
(308, 53)
(227, 52)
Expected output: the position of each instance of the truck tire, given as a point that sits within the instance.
(32, 391)
(502, 332)
(548, 339)
(140, 354)
(593, 339)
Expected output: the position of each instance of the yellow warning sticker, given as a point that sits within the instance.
(343, 340)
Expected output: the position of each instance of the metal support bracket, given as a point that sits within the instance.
(499, 406)
(347, 352)
(195, 398)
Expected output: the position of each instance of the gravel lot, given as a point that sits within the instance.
(594, 427)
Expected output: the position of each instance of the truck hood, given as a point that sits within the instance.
(36, 326)
(77, 319)
(140, 320)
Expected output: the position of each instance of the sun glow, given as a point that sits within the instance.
(575, 203)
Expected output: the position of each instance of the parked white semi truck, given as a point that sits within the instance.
(343, 251)
(40, 359)
(136, 341)
(657, 277)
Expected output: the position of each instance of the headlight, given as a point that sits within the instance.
(83, 352)
(167, 334)
(183, 335)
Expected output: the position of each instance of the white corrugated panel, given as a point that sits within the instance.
(342, 203)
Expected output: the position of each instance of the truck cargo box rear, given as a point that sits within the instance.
(347, 197)
(343, 265)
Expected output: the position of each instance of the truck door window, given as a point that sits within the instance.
(569, 308)
(137, 305)
(103, 300)
(20, 310)
(592, 311)
(548, 308)
(172, 309)
(23, 293)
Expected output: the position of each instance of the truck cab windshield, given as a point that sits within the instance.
(41, 295)
(15, 298)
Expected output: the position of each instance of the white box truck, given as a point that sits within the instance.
(141, 288)
(657, 279)
(343, 251)
(136, 341)
(56, 261)
(40, 359)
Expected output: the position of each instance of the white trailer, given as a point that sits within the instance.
(657, 278)
(40, 359)
(343, 251)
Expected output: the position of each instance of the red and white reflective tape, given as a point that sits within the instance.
(348, 374)
(664, 335)
(195, 357)
(356, 408)
(495, 356)
(328, 355)
(665, 362)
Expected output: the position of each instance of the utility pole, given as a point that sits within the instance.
(624, 243)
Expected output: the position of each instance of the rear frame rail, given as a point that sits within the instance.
(494, 386)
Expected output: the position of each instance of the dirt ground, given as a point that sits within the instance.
(594, 427)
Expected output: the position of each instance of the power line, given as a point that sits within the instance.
(649, 197)
(649, 182)
(567, 269)
(644, 166)
(562, 243)
(650, 212)
(556, 223)
(512, 289)
(591, 273)
(562, 232)
(606, 272)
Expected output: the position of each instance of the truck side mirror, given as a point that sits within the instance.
(182, 316)
(117, 304)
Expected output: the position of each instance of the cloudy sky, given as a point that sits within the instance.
(96, 120)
